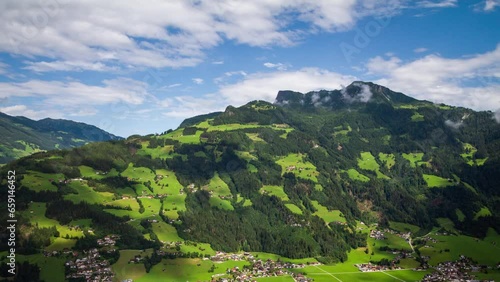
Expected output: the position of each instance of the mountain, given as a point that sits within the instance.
(22, 136)
(342, 178)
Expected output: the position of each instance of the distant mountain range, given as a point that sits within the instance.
(21, 136)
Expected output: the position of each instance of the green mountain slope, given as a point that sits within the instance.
(22, 136)
(309, 176)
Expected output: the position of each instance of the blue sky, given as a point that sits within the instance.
(133, 67)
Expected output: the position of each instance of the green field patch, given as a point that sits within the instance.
(355, 175)
(185, 139)
(327, 215)
(416, 117)
(232, 126)
(414, 158)
(469, 155)
(403, 227)
(166, 232)
(273, 190)
(446, 224)
(88, 172)
(341, 131)
(296, 164)
(283, 278)
(35, 213)
(483, 212)
(247, 156)
(460, 215)
(85, 222)
(141, 174)
(275, 257)
(39, 181)
(449, 248)
(246, 203)
(51, 268)
(125, 203)
(157, 152)
(389, 160)
(195, 247)
(220, 203)
(436, 181)
(125, 270)
(178, 270)
(293, 208)
(87, 194)
(255, 137)
(252, 168)
(60, 244)
(172, 204)
(367, 162)
(152, 206)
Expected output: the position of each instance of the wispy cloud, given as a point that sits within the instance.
(83, 35)
(490, 5)
(437, 4)
(420, 50)
(444, 80)
(278, 66)
(197, 80)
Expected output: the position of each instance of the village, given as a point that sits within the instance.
(90, 265)
(458, 270)
(258, 268)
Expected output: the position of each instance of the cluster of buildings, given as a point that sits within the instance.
(109, 240)
(377, 234)
(91, 267)
(258, 268)
(369, 267)
(458, 270)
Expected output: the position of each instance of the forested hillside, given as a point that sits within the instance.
(22, 136)
(295, 178)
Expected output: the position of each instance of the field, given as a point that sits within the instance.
(451, 247)
(87, 194)
(293, 208)
(38, 181)
(275, 191)
(403, 227)
(36, 215)
(355, 175)
(436, 181)
(484, 211)
(416, 117)
(125, 270)
(166, 232)
(295, 163)
(388, 159)
(368, 162)
(415, 159)
(469, 153)
(89, 172)
(327, 215)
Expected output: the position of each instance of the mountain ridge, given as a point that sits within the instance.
(22, 136)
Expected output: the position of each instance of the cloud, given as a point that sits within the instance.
(3, 67)
(364, 95)
(490, 5)
(197, 81)
(73, 97)
(437, 4)
(96, 36)
(23, 110)
(497, 115)
(256, 86)
(218, 63)
(278, 66)
(420, 50)
(67, 66)
(468, 81)
(452, 124)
